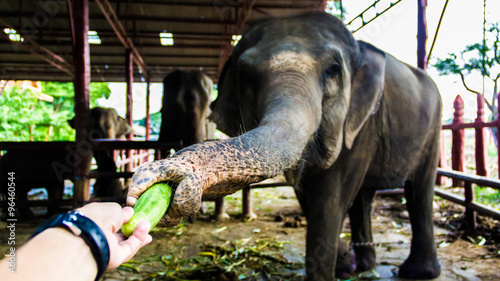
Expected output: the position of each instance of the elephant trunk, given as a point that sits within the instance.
(290, 116)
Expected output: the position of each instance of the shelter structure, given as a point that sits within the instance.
(162, 36)
(132, 41)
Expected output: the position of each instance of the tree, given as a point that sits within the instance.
(482, 58)
(24, 117)
(63, 94)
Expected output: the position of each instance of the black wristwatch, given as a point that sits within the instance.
(83, 227)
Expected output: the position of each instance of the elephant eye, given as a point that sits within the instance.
(332, 71)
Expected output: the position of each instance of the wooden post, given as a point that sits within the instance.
(481, 155)
(440, 180)
(421, 35)
(129, 79)
(83, 150)
(148, 115)
(458, 140)
(498, 134)
(470, 214)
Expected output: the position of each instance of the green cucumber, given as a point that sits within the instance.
(151, 206)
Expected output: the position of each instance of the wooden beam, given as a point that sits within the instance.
(121, 33)
(27, 44)
(71, 24)
(242, 15)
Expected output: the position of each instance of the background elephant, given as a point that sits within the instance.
(48, 168)
(339, 117)
(186, 95)
(107, 124)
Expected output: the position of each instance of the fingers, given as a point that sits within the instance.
(127, 213)
(128, 248)
(105, 215)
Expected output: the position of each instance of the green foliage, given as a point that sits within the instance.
(64, 93)
(155, 122)
(488, 196)
(23, 115)
(482, 58)
(471, 58)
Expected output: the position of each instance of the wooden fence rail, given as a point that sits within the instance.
(457, 156)
(458, 138)
(461, 179)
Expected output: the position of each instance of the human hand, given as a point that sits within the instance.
(110, 217)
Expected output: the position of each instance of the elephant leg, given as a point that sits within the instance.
(323, 210)
(422, 262)
(220, 211)
(361, 229)
(346, 261)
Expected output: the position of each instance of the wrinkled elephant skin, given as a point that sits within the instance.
(339, 117)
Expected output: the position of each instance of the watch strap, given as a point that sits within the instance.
(88, 230)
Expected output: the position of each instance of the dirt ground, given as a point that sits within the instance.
(272, 246)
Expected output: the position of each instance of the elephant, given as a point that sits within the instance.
(339, 117)
(186, 95)
(48, 168)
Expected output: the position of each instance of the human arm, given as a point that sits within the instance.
(57, 254)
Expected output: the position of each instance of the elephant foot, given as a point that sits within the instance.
(346, 261)
(249, 216)
(221, 217)
(420, 269)
(191, 219)
(365, 258)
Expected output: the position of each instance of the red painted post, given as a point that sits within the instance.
(481, 155)
(148, 115)
(81, 81)
(458, 140)
(421, 35)
(498, 135)
(129, 79)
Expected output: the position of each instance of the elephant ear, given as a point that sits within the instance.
(366, 90)
(225, 109)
